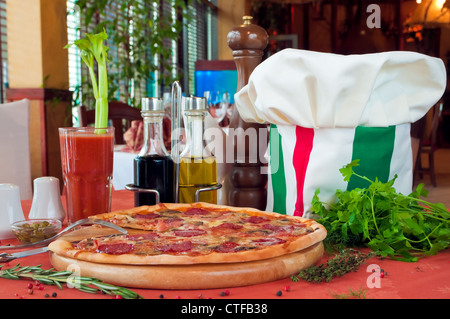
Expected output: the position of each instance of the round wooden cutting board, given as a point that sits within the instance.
(196, 276)
(200, 276)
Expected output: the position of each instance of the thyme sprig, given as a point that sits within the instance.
(57, 278)
(353, 294)
(346, 261)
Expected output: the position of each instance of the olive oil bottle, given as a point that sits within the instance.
(153, 167)
(197, 173)
(198, 169)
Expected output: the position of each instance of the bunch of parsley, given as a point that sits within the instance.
(402, 227)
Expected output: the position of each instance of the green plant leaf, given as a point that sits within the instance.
(347, 171)
(392, 224)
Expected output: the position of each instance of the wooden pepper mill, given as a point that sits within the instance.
(248, 182)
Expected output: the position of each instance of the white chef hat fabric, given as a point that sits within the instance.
(325, 90)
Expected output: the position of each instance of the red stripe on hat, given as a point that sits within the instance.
(302, 152)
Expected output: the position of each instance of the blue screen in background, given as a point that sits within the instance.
(214, 81)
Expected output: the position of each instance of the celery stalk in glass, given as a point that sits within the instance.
(92, 49)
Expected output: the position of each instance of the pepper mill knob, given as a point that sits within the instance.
(248, 36)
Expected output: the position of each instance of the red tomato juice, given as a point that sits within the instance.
(87, 164)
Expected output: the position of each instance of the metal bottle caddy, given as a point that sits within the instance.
(176, 108)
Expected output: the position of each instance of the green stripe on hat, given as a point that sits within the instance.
(373, 146)
(278, 174)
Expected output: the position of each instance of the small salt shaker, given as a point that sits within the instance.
(10, 209)
(47, 199)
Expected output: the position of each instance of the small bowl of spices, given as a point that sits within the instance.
(35, 230)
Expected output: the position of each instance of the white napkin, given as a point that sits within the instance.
(325, 90)
(15, 165)
(123, 172)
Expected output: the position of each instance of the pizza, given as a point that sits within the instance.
(198, 233)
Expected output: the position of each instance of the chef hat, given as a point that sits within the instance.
(324, 90)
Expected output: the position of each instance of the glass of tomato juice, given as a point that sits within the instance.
(87, 166)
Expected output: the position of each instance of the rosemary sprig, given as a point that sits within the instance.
(55, 278)
(346, 261)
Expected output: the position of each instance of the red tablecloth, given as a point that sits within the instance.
(428, 278)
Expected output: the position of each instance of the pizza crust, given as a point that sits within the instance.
(63, 247)
(176, 206)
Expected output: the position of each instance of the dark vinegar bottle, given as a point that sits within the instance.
(153, 172)
(153, 167)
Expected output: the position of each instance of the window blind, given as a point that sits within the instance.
(3, 51)
(199, 40)
(194, 45)
(73, 33)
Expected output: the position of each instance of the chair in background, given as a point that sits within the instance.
(121, 115)
(15, 163)
(428, 145)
